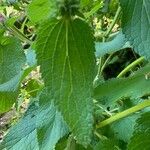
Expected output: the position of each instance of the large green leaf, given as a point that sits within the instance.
(65, 53)
(12, 59)
(134, 86)
(40, 128)
(136, 24)
(141, 136)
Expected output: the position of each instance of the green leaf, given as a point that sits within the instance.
(84, 3)
(65, 53)
(141, 136)
(106, 145)
(123, 129)
(9, 93)
(33, 87)
(72, 145)
(31, 57)
(118, 43)
(50, 124)
(133, 86)
(39, 10)
(40, 128)
(136, 24)
(23, 135)
(12, 59)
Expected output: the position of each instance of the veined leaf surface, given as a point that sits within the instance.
(65, 53)
(136, 24)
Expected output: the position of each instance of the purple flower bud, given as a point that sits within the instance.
(1, 18)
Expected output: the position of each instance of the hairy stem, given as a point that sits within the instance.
(131, 66)
(123, 114)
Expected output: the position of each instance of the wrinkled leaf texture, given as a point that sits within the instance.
(65, 53)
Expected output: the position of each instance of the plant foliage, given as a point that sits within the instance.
(82, 70)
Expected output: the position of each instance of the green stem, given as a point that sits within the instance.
(131, 66)
(101, 137)
(113, 22)
(101, 67)
(123, 114)
(23, 25)
(17, 33)
(20, 35)
(94, 10)
(106, 62)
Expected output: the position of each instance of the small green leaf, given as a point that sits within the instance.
(141, 136)
(123, 129)
(118, 43)
(133, 86)
(65, 53)
(31, 57)
(136, 24)
(39, 10)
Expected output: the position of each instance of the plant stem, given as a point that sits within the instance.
(106, 62)
(94, 10)
(101, 67)
(20, 35)
(101, 137)
(23, 25)
(113, 22)
(131, 66)
(123, 114)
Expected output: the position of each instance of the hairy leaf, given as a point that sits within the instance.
(66, 56)
(136, 24)
(141, 136)
(115, 89)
